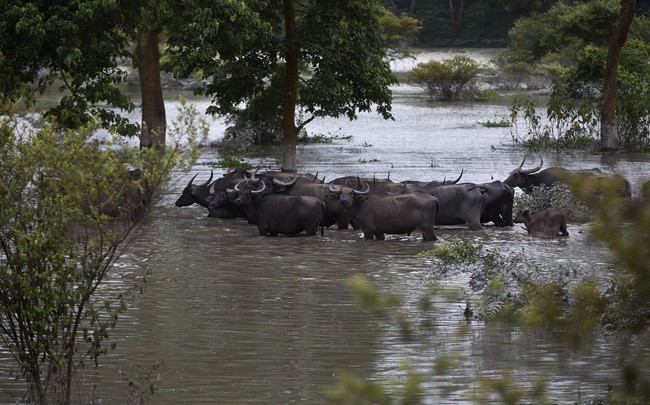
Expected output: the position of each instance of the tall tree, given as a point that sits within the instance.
(74, 45)
(608, 129)
(330, 59)
(78, 46)
(290, 93)
(154, 122)
(456, 9)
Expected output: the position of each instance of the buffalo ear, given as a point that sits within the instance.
(332, 196)
(360, 197)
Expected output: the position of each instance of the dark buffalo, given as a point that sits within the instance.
(378, 214)
(277, 213)
(528, 179)
(498, 203)
(193, 193)
(435, 183)
(376, 185)
(549, 222)
(218, 187)
(337, 199)
(203, 194)
(459, 203)
(387, 185)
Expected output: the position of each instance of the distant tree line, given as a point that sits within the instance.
(484, 23)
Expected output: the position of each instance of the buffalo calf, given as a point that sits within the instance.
(548, 222)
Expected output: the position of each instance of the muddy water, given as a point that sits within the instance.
(234, 318)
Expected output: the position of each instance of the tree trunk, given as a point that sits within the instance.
(154, 122)
(456, 7)
(608, 128)
(412, 8)
(289, 130)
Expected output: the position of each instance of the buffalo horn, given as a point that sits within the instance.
(209, 180)
(212, 188)
(334, 189)
(533, 170)
(237, 185)
(260, 190)
(367, 189)
(522, 163)
(456, 181)
(287, 183)
(191, 180)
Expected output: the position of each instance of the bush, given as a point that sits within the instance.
(561, 196)
(448, 80)
(68, 202)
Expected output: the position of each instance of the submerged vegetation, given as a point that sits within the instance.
(567, 301)
(559, 195)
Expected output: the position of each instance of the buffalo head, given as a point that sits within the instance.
(188, 195)
(521, 177)
(246, 190)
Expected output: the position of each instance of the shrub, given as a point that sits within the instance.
(560, 195)
(58, 243)
(448, 80)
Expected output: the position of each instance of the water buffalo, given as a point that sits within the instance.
(381, 213)
(528, 179)
(548, 222)
(459, 203)
(387, 185)
(277, 213)
(203, 194)
(498, 203)
(435, 183)
(193, 193)
(337, 199)
(377, 185)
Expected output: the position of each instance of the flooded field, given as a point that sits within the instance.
(234, 318)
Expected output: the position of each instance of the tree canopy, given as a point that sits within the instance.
(336, 46)
(74, 45)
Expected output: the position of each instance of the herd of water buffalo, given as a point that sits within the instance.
(291, 203)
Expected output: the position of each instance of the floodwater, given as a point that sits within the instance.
(235, 318)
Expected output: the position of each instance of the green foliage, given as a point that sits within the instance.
(75, 46)
(234, 162)
(455, 251)
(502, 123)
(576, 95)
(556, 35)
(563, 129)
(343, 69)
(510, 286)
(447, 80)
(397, 31)
(561, 196)
(321, 138)
(68, 203)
